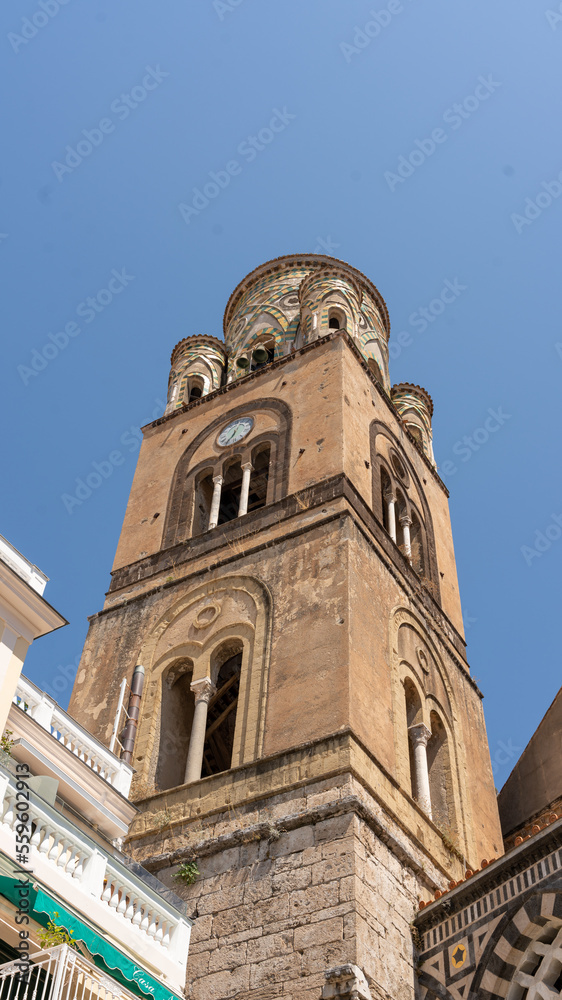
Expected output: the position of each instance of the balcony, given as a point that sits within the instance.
(91, 779)
(60, 973)
(128, 906)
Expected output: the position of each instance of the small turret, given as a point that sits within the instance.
(415, 406)
(198, 365)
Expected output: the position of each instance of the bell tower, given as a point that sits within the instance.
(309, 731)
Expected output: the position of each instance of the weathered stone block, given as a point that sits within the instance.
(319, 933)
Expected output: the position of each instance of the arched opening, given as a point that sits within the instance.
(417, 435)
(196, 387)
(202, 502)
(259, 479)
(413, 718)
(230, 493)
(176, 717)
(375, 369)
(440, 778)
(386, 488)
(336, 319)
(221, 715)
(416, 542)
(401, 510)
(263, 352)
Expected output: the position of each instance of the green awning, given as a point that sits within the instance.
(43, 907)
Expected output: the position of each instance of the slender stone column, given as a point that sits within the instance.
(245, 489)
(215, 502)
(203, 691)
(391, 512)
(406, 521)
(419, 736)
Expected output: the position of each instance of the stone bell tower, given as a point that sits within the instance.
(309, 732)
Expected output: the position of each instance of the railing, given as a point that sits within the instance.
(59, 973)
(138, 910)
(51, 717)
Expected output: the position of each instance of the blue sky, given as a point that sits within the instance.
(362, 90)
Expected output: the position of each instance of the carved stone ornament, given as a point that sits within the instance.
(422, 659)
(207, 615)
(345, 982)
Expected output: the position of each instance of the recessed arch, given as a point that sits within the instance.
(420, 663)
(179, 512)
(207, 626)
(430, 555)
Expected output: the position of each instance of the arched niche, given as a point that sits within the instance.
(176, 717)
(417, 664)
(206, 627)
(440, 774)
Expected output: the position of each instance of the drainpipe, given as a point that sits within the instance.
(130, 731)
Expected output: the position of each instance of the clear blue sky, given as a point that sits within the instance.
(359, 95)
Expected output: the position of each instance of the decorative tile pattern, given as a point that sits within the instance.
(511, 934)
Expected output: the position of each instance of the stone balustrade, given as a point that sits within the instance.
(35, 703)
(65, 859)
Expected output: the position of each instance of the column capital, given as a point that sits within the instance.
(405, 519)
(218, 480)
(203, 690)
(419, 735)
(247, 465)
(390, 496)
(346, 982)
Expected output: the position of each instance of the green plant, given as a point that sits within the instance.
(54, 934)
(187, 873)
(6, 741)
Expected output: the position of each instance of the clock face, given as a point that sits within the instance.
(235, 431)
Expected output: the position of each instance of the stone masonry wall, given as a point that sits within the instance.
(277, 904)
